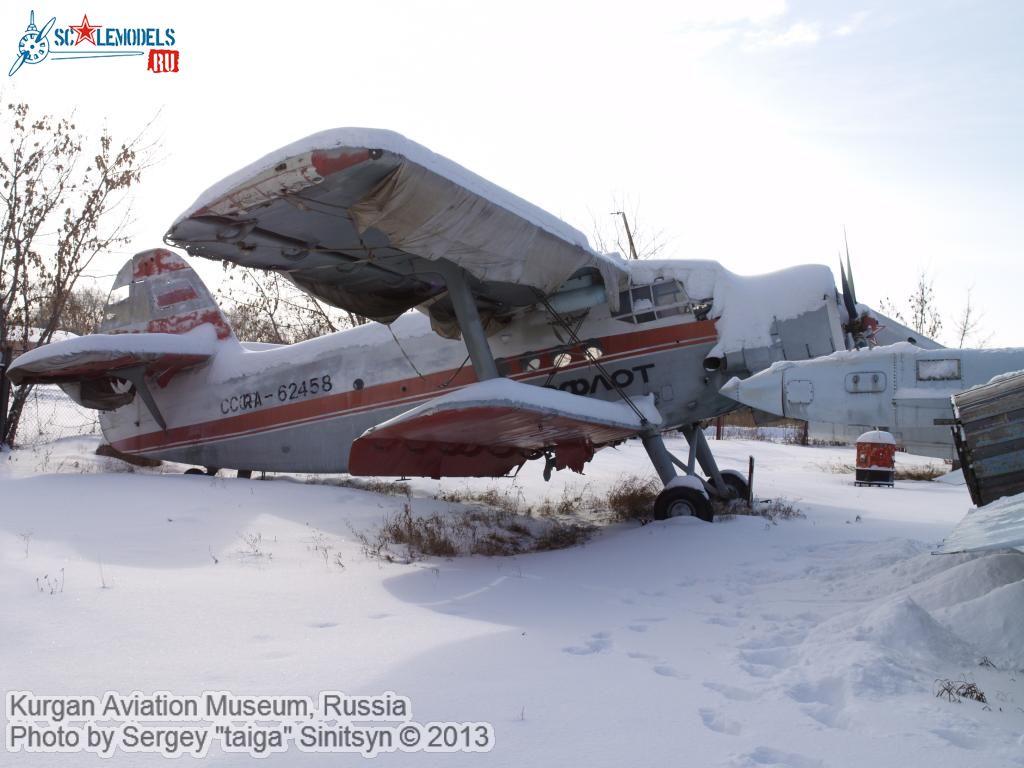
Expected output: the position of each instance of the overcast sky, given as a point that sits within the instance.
(748, 132)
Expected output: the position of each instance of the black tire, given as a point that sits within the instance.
(678, 501)
(195, 471)
(245, 474)
(737, 483)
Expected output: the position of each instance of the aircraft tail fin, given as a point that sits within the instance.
(158, 292)
(160, 319)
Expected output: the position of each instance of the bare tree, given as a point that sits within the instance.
(609, 232)
(82, 313)
(265, 306)
(65, 199)
(968, 324)
(924, 315)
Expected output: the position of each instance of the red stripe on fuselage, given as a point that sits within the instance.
(405, 391)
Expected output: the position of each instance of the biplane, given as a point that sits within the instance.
(499, 336)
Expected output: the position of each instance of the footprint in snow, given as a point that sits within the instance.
(599, 641)
(637, 627)
(823, 700)
(666, 671)
(276, 655)
(958, 738)
(379, 616)
(717, 722)
(323, 625)
(731, 692)
(766, 756)
(767, 662)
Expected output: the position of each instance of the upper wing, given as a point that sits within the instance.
(493, 427)
(356, 217)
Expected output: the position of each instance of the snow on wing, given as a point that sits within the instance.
(490, 428)
(86, 366)
(356, 216)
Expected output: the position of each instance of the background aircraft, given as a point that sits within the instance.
(900, 388)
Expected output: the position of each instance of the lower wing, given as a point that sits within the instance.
(490, 428)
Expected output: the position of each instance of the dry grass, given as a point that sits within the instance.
(561, 535)
(494, 526)
(771, 510)
(911, 472)
(373, 485)
(497, 521)
(921, 472)
(957, 690)
(632, 498)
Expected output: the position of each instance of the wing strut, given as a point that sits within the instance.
(469, 321)
(137, 376)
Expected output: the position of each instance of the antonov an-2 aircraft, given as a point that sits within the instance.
(526, 343)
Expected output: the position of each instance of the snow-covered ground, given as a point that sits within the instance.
(810, 642)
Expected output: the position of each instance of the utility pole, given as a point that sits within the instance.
(629, 235)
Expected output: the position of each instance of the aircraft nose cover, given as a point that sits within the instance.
(762, 391)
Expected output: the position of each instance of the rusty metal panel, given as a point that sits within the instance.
(989, 435)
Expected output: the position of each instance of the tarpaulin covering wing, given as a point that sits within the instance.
(357, 216)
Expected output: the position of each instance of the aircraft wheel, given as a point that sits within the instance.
(195, 471)
(737, 483)
(245, 474)
(678, 501)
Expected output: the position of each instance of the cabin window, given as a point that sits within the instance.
(562, 360)
(938, 370)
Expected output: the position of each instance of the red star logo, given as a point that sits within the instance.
(86, 31)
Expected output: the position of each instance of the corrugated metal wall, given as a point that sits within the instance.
(990, 438)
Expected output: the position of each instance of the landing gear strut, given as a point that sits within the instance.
(690, 494)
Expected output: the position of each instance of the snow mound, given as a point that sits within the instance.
(902, 629)
(956, 477)
(994, 622)
(968, 580)
(885, 650)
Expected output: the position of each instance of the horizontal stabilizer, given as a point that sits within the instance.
(88, 368)
(490, 428)
(999, 525)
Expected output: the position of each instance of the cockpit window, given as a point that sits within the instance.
(645, 303)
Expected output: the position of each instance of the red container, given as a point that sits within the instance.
(876, 459)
